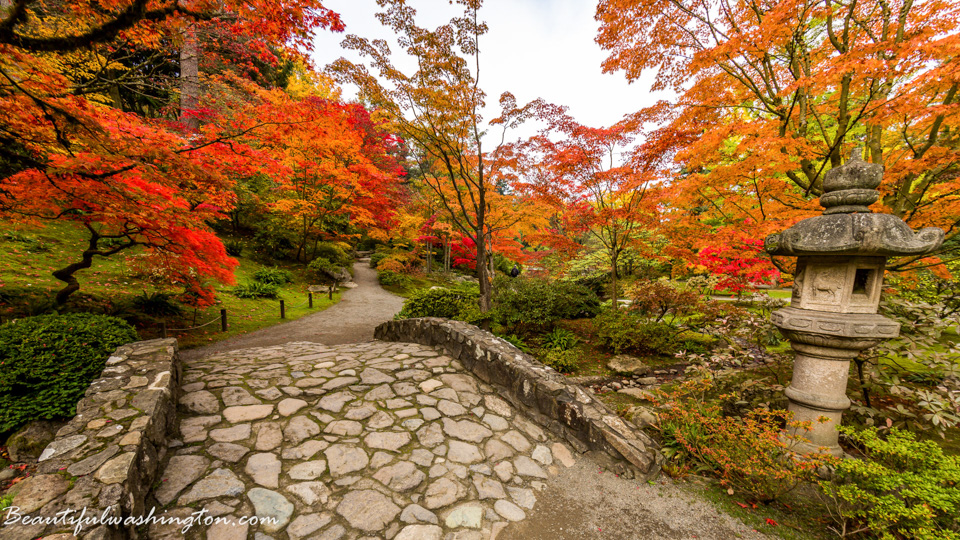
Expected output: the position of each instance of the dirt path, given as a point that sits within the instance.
(587, 503)
(350, 321)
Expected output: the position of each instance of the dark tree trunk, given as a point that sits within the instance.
(190, 77)
(66, 274)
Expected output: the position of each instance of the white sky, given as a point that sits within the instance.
(534, 48)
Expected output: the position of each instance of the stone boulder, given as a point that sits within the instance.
(642, 417)
(27, 443)
(629, 365)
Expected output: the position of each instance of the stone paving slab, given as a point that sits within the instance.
(370, 440)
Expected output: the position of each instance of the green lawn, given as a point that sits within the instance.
(27, 287)
(417, 282)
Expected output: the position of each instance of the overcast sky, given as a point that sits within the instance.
(534, 48)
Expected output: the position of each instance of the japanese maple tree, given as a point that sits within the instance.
(437, 110)
(590, 174)
(72, 149)
(772, 95)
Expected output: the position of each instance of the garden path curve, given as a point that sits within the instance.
(352, 320)
(341, 437)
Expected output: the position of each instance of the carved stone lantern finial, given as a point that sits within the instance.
(841, 256)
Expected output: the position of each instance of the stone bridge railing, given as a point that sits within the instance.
(105, 460)
(566, 409)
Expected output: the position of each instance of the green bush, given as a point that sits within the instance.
(904, 488)
(273, 244)
(49, 361)
(234, 248)
(516, 341)
(560, 339)
(388, 278)
(333, 253)
(620, 332)
(157, 304)
(255, 289)
(528, 303)
(564, 361)
(272, 275)
(460, 303)
(377, 257)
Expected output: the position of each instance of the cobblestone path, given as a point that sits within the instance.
(370, 440)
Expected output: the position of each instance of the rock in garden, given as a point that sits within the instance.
(28, 443)
(643, 395)
(626, 364)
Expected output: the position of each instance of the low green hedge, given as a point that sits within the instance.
(47, 363)
(459, 303)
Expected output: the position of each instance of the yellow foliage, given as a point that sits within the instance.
(306, 82)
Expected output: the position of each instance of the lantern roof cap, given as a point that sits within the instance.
(847, 226)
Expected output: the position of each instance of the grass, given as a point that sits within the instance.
(417, 282)
(27, 288)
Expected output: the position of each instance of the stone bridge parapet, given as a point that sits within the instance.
(106, 459)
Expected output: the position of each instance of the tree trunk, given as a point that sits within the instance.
(613, 278)
(190, 77)
(446, 255)
(66, 274)
(429, 261)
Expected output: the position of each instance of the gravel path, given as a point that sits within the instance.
(352, 320)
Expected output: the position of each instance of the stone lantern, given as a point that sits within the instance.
(836, 292)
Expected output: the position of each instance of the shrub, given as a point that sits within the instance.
(460, 303)
(158, 304)
(234, 248)
(661, 301)
(377, 257)
(388, 278)
(527, 303)
(272, 275)
(621, 331)
(333, 253)
(626, 331)
(274, 244)
(564, 361)
(391, 264)
(516, 341)
(49, 361)
(560, 339)
(255, 289)
(748, 454)
(903, 488)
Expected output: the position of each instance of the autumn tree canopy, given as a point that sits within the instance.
(772, 95)
(437, 110)
(92, 130)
